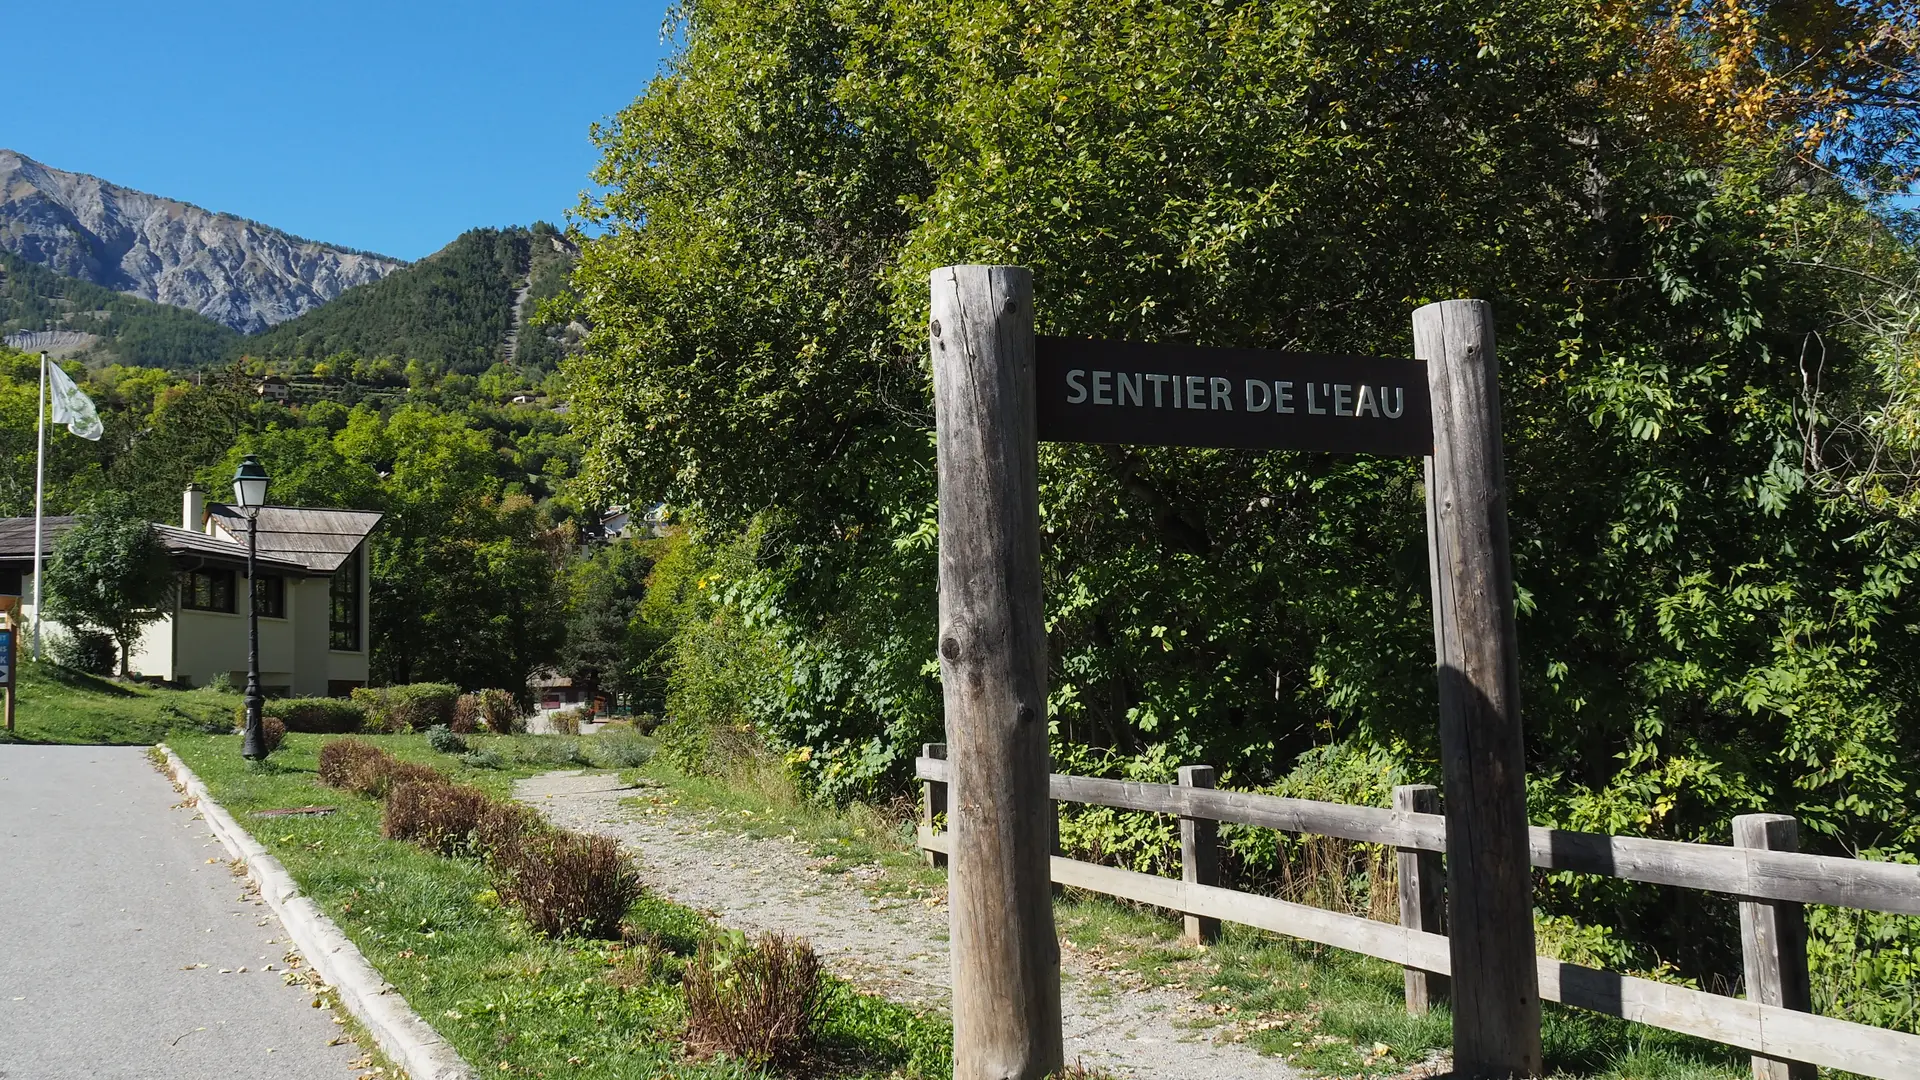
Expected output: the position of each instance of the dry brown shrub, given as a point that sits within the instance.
(340, 759)
(466, 714)
(565, 883)
(272, 733)
(377, 776)
(435, 816)
(503, 825)
(760, 1004)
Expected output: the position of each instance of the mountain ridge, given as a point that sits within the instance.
(244, 274)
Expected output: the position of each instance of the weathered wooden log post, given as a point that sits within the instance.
(933, 800)
(1199, 854)
(1773, 940)
(993, 663)
(1496, 994)
(1423, 895)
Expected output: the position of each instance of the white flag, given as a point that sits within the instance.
(72, 407)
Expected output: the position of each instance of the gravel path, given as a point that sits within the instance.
(131, 951)
(896, 948)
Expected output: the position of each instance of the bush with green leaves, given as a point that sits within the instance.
(408, 707)
(317, 715)
(618, 748)
(110, 572)
(444, 739)
(81, 649)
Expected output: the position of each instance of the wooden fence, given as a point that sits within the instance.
(1770, 879)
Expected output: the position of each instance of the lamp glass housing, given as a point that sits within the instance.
(250, 483)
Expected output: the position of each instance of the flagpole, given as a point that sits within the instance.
(39, 496)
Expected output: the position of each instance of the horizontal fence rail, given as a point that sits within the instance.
(1745, 872)
(1771, 1031)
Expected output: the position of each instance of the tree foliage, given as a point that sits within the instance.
(1704, 631)
(110, 572)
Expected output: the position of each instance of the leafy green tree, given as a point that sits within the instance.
(1704, 632)
(110, 572)
(604, 647)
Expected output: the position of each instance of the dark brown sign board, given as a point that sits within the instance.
(1255, 399)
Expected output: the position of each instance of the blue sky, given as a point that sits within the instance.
(391, 126)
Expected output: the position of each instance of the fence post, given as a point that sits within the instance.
(1199, 854)
(1496, 986)
(1773, 940)
(1423, 898)
(993, 668)
(933, 799)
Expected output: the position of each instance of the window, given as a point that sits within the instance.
(270, 602)
(207, 590)
(345, 619)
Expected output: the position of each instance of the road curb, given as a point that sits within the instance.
(410, 1041)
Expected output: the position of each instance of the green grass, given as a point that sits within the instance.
(60, 705)
(513, 1003)
(1336, 1013)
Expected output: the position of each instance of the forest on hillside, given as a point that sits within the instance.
(1706, 298)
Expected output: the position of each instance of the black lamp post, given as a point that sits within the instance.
(250, 491)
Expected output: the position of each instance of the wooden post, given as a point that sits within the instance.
(1422, 894)
(933, 799)
(993, 667)
(1496, 993)
(1200, 854)
(1773, 940)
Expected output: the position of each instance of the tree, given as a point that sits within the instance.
(111, 572)
(1704, 632)
(603, 647)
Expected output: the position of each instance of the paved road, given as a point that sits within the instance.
(109, 897)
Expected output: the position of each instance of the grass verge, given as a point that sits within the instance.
(60, 705)
(512, 1002)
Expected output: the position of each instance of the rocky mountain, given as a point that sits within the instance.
(238, 272)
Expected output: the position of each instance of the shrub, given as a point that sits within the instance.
(340, 759)
(565, 883)
(272, 733)
(761, 1004)
(418, 706)
(502, 826)
(619, 749)
(379, 710)
(85, 650)
(377, 777)
(484, 759)
(318, 715)
(442, 738)
(466, 714)
(500, 711)
(436, 816)
(565, 721)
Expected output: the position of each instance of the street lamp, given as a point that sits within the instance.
(250, 491)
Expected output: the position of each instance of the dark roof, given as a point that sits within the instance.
(16, 536)
(319, 540)
(187, 546)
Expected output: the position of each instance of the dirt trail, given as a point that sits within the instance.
(896, 948)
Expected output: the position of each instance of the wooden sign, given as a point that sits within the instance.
(1254, 399)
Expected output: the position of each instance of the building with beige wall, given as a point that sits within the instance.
(313, 598)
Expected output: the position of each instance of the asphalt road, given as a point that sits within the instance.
(118, 915)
